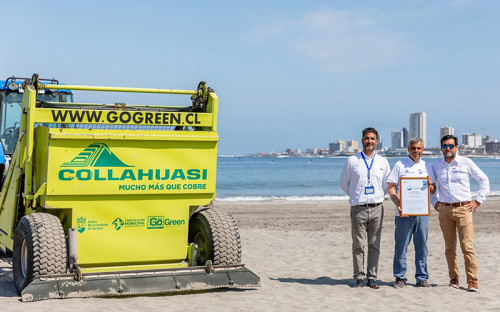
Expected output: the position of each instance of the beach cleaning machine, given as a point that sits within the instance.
(114, 199)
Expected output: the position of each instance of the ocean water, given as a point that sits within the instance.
(301, 178)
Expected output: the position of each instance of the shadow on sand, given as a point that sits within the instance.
(7, 288)
(323, 280)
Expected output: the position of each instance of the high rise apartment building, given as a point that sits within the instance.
(336, 146)
(472, 140)
(405, 137)
(397, 139)
(353, 144)
(446, 130)
(418, 127)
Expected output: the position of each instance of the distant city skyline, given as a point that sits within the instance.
(418, 128)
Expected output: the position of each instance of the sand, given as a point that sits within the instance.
(302, 252)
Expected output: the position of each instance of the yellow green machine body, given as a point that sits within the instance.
(126, 182)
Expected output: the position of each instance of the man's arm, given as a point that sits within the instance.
(484, 185)
(435, 195)
(431, 178)
(387, 172)
(345, 177)
(391, 187)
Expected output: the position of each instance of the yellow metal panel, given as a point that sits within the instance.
(212, 107)
(41, 156)
(94, 134)
(123, 234)
(123, 117)
(82, 167)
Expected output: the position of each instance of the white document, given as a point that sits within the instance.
(415, 196)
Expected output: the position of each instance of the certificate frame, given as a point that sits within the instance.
(415, 196)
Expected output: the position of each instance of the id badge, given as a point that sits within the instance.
(369, 190)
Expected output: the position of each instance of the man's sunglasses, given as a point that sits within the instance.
(450, 146)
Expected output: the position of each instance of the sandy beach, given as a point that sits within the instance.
(302, 252)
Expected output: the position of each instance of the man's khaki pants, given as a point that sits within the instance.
(453, 220)
(366, 230)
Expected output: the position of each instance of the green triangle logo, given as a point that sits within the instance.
(96, 155)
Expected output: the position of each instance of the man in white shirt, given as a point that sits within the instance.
(408, 226)
(456, 206)
(364, 180)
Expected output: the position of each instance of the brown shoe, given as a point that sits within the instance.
(473, 286)
(423, 283)
(453, 283)
(399, 284)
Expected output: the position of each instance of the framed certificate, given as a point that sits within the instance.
(414, 194)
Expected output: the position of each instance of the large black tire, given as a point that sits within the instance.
(217, 236)
(39, 249)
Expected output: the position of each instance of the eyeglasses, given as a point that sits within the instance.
(450, 146)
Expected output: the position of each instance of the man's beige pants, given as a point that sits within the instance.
(453, 220)
(366, 230)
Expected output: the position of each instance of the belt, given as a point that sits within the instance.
(368, 205)
(457, 204)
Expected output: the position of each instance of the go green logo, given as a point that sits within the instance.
(155, 222)
(160, 222)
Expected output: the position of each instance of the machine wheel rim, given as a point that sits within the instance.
(24, 258)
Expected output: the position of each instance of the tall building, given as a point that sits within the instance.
(418, 127)
(353, 144)
(379, 144)
(446, 130)
(405, 137)
(472, 139)
(397, 139)
(487, 139)
(492, 147)
(336, 146)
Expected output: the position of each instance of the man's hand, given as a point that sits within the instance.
(473, 205)
(436, 206)
(432, 186)
(401, 213)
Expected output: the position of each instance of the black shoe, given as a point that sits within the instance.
(359, 283)
(372, 284)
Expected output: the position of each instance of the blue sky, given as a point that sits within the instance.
(289, 74)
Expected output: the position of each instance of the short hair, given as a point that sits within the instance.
(449, 137)
(370, 130)
(415, 141)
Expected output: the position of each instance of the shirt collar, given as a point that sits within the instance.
(411, 160)
(363, 152)
(454, 161)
